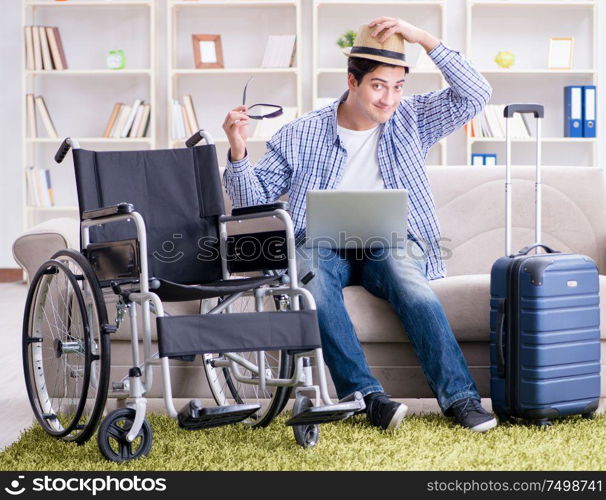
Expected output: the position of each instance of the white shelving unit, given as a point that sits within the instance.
(213, 94)
(83, 75)
(331, 18)
(529, 80)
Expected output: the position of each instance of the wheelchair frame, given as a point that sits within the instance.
(140, 377)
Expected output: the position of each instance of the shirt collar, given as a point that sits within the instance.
(335, 107)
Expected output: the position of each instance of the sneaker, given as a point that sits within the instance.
(470, 414)
(383, 412)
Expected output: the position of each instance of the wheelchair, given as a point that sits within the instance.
(253, 358)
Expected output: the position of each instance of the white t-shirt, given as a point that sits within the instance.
(362, 166)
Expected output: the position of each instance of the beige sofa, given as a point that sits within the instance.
(470, 207)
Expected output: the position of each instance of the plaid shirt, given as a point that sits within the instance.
(307, 154)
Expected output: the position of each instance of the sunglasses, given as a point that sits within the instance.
(261, 110)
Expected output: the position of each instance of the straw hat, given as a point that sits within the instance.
(391, 51)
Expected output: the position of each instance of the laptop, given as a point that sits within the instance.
(357, 219)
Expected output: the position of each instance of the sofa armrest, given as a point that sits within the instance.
(40, 242)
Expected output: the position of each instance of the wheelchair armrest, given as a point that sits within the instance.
(119, 209)
(255, 209)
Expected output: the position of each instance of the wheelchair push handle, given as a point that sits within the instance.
(63, 150)
(197, 137)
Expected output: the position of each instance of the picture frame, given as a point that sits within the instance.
(560, 53)
(208, 52)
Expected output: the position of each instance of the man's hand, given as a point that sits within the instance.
(235, 129)
(387, 26)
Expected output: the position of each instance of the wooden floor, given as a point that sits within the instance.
(15, 411)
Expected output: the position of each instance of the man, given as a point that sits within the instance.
(371, 138)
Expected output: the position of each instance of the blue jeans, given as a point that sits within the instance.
(398, 276)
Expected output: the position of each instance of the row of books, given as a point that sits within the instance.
(33, 103)
(184, 119)
(128, 120)
(491, 123)
(44, 49)
(40, 187)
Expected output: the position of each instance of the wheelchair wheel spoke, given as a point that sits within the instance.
(59, 368)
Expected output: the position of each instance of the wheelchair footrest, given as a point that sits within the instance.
(194, 416)
(330, 413)
(321, 415)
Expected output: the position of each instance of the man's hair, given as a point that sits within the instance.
(359, 66)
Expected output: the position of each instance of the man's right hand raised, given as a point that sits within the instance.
(235, 127)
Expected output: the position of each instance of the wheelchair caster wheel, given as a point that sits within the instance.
(305, 435)
(589, 415)
(112, 437)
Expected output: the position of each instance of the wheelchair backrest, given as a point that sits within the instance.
(177, 191)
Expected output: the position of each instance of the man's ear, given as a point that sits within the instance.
(352, 83)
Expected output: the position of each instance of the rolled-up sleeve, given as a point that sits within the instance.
(265, 182)
(441, 112)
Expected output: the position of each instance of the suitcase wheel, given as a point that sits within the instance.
(543, 423)
(589, 415)
(506, 419)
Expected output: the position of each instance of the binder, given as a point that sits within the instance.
(589, 111)
(573, 111)
(490, 159)
(477, 159)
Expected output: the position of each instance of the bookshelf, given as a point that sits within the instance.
(215, 91)
(329, 67)
(529, 80)
(80, 98)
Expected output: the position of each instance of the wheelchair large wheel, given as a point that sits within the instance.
(65, 352)
(228, 390)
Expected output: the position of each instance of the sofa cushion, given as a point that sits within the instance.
(464, 298)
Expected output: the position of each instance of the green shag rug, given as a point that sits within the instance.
(427, 442)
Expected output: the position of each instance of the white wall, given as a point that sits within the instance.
(10, 101)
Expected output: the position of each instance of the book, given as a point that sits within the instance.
(112, 119)
(54, 48)
(47, 62)
(178, 123)
(49, 188)
(136, 122)
(57, 37)
(279, 51)
(34, 199)
(37, 48)
(30, 105)
(46, 119)
(29, 49)
(121, 121)
(530, 126)
(188, 103)
(41, 188)
(131, 118)
(145, 119)
(186, 123)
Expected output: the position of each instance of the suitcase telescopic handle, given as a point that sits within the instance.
(538, 111)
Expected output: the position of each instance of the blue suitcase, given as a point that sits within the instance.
(544, 322)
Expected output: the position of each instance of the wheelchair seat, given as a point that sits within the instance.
(176, 292)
